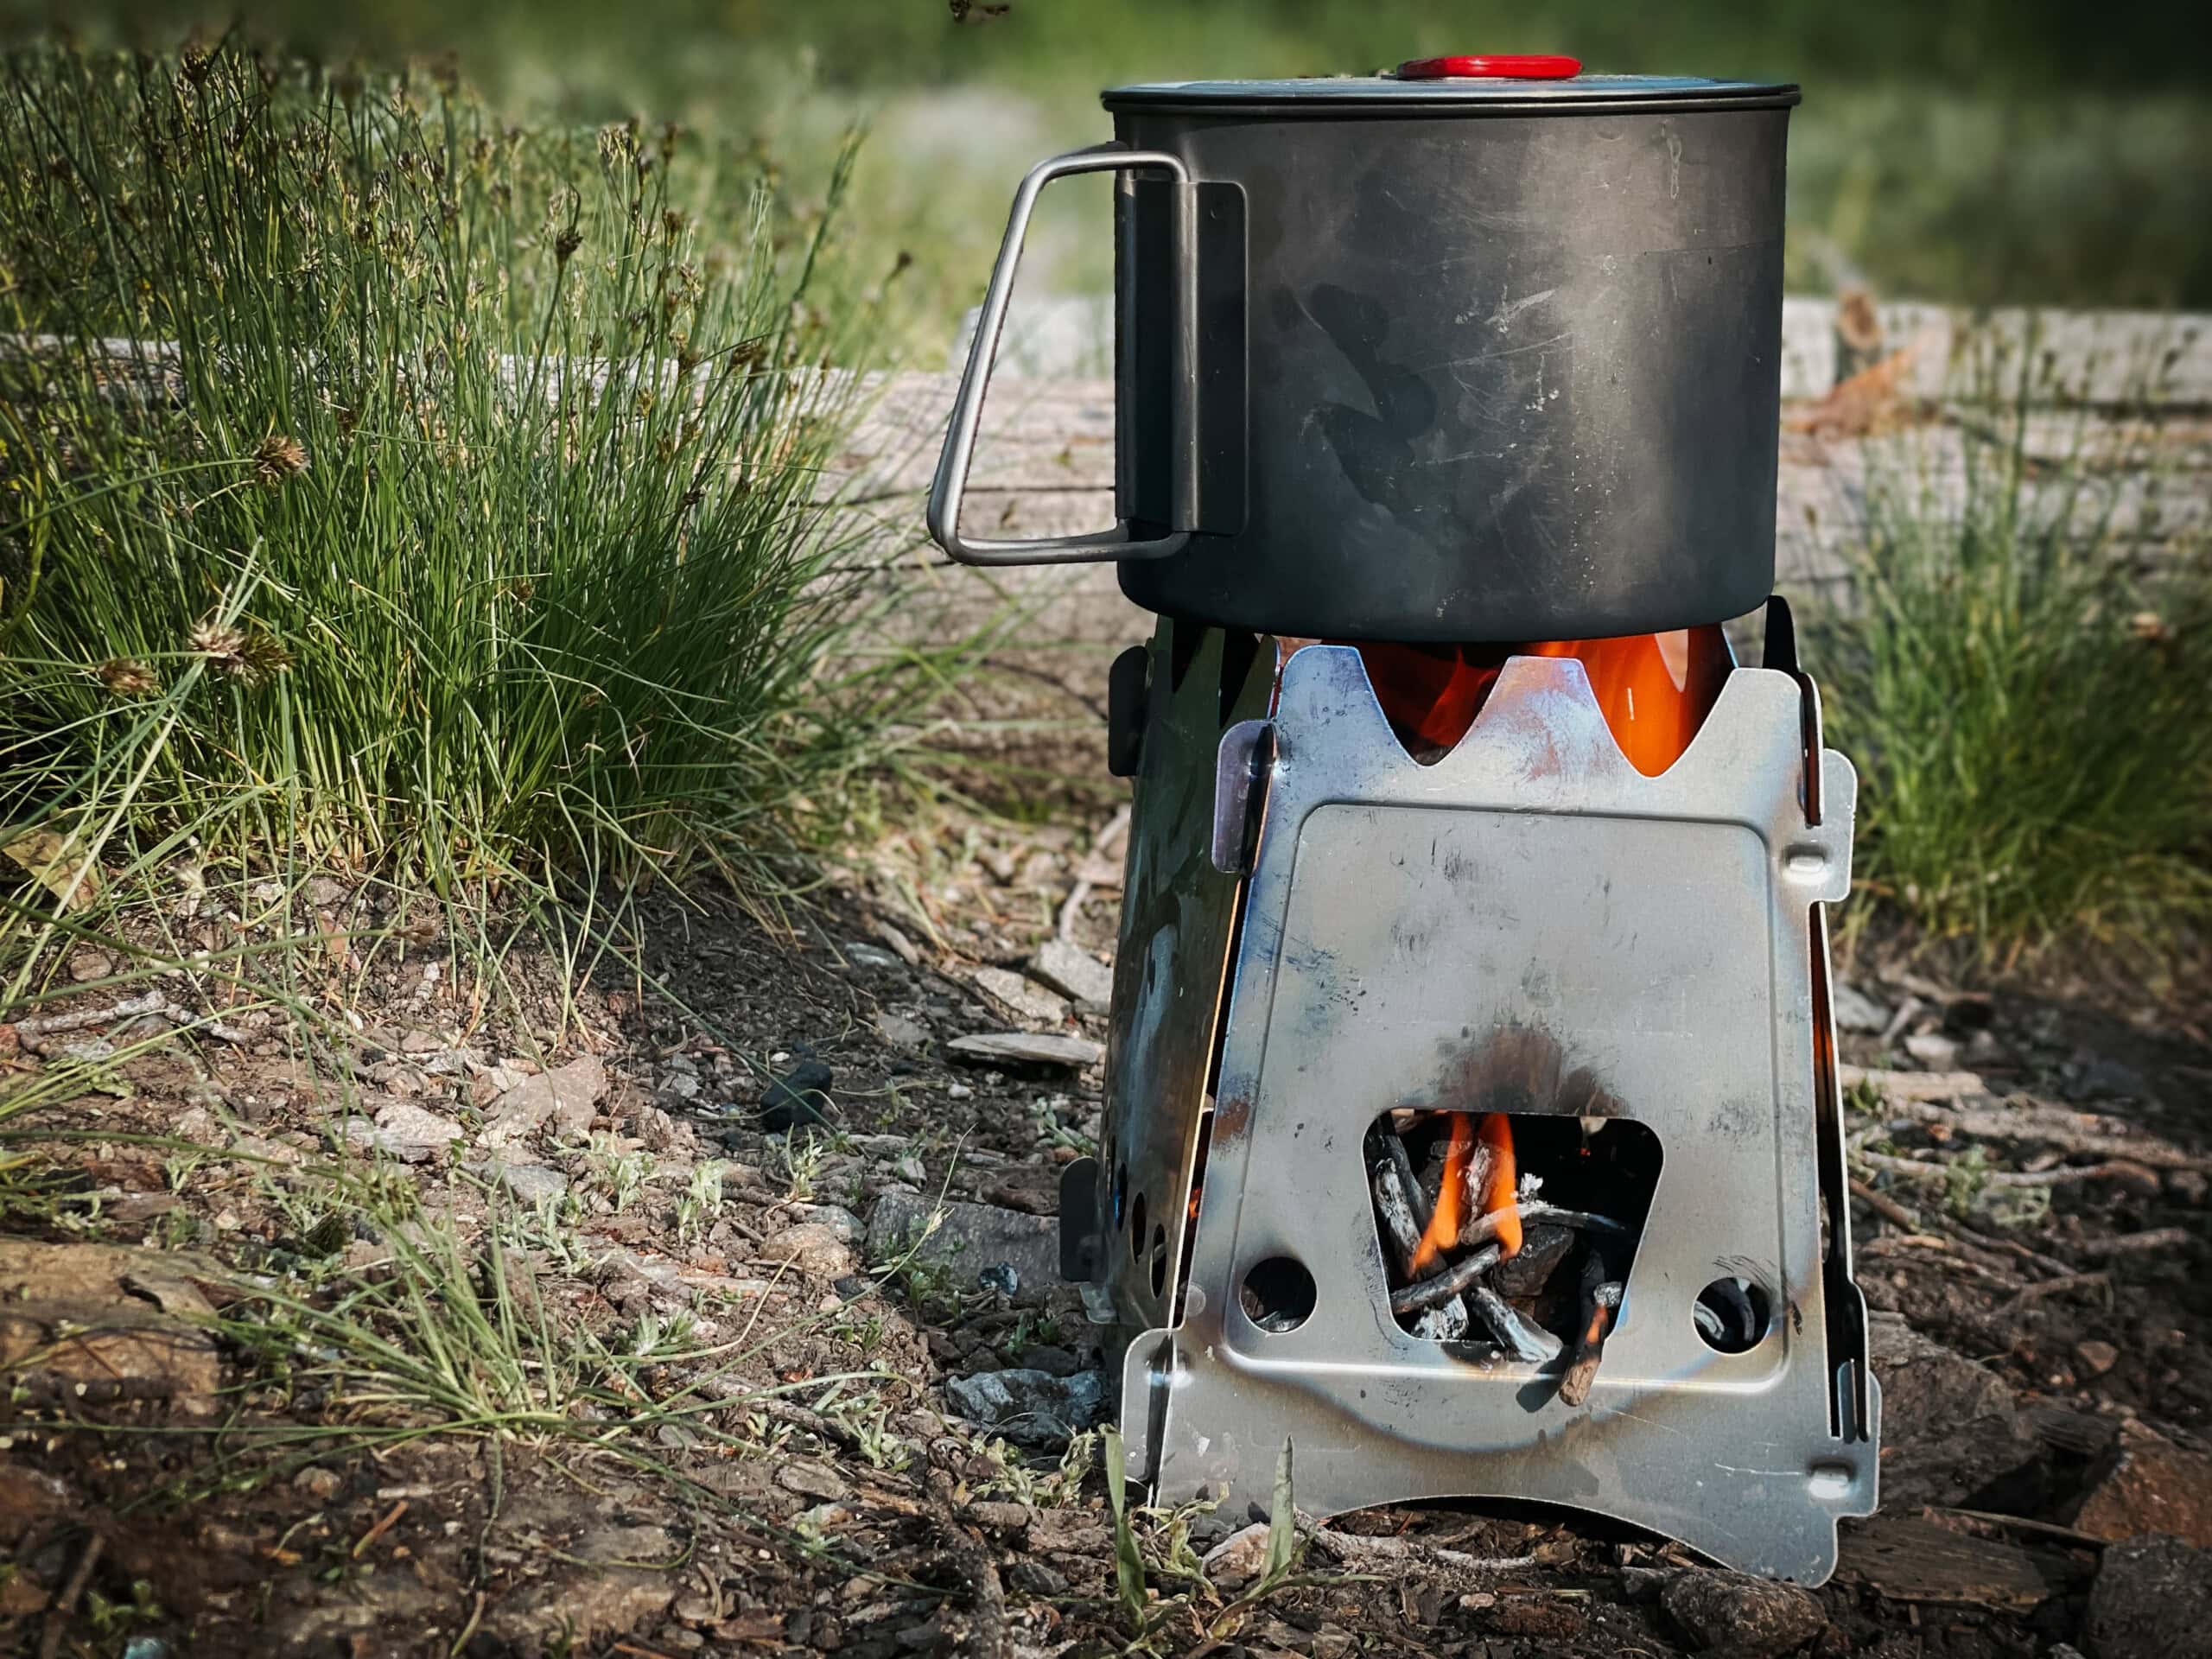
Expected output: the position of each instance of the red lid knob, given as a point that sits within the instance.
(1505, 66)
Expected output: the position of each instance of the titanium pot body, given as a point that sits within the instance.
(1446, 361)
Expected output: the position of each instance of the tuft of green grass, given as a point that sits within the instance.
(2026, 705)
(383, 485)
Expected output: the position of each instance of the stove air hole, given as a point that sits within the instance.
(1277, 1294)
(1159, 1261)
(1120, 1197)
(1733, 1315)
(1137, 1230)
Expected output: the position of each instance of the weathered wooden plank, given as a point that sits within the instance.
(1045, 467)
(2107, 358)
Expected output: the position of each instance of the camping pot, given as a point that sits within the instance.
(1481, 350)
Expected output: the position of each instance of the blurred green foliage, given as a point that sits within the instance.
(1981, 153)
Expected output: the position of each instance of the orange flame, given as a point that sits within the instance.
(1655, 689)
(1451, 1198)
(1497, 1194)
(1452, 1201)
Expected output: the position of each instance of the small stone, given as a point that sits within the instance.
(405, 1131)
(564, 1100)
(1855, 1010)
(2152, 1596)
(1035, 1579)
(1933, 1050)
(1000, 1276)
(874, 958)
(88, 963)
(317, 1481)
(994, 1516)
(1074, 972)
(1745, 1616)
(809, 1248)
(1022, 998)
(967, 1239)
(811, 1480)
(2145, 1484)
(843, 1223)
(1052, 1360)
(1028, 1048)
(2096, 1357)
(1030, 1407)
(901, 1032)
(2112, 1078)
(1950, 1428)
(798, 1099)
(1238, 1558)
(532, 1184)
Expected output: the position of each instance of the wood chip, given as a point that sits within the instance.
(1029, 1048)
(1910, 1557)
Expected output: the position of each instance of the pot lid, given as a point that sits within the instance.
(1456, 85)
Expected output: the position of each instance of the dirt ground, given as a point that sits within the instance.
(697, 1400)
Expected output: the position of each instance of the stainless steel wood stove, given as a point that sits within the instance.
(1471, 1118)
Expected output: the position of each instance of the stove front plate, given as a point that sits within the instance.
(1663, 934)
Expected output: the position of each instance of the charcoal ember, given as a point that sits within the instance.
(1519, 1337)
(1445, 1323)
(1740, 1615)
(1396, 1213)
(1527, 1270)
(2152, 1595)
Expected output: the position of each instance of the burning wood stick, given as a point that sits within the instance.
(1397, 1214)
(1520, 1337)
(1483, 1229)
(1418, 1196)
(1451, 1283)
(1600, 1297)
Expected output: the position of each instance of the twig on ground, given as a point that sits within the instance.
(2064, 1175)
(1884, 1206)
(391, 1520)
(2036, 1293)
(2158, 1238)
(57, 1619)
(2021, 1523)
(131, 1008)
(1351, 1549)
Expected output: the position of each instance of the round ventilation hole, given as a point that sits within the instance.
(1277, 1294)
(1732, 1315)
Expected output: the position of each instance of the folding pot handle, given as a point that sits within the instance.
(951, 482)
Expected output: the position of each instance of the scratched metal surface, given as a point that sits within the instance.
(1660, 930)
(1177, 911)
